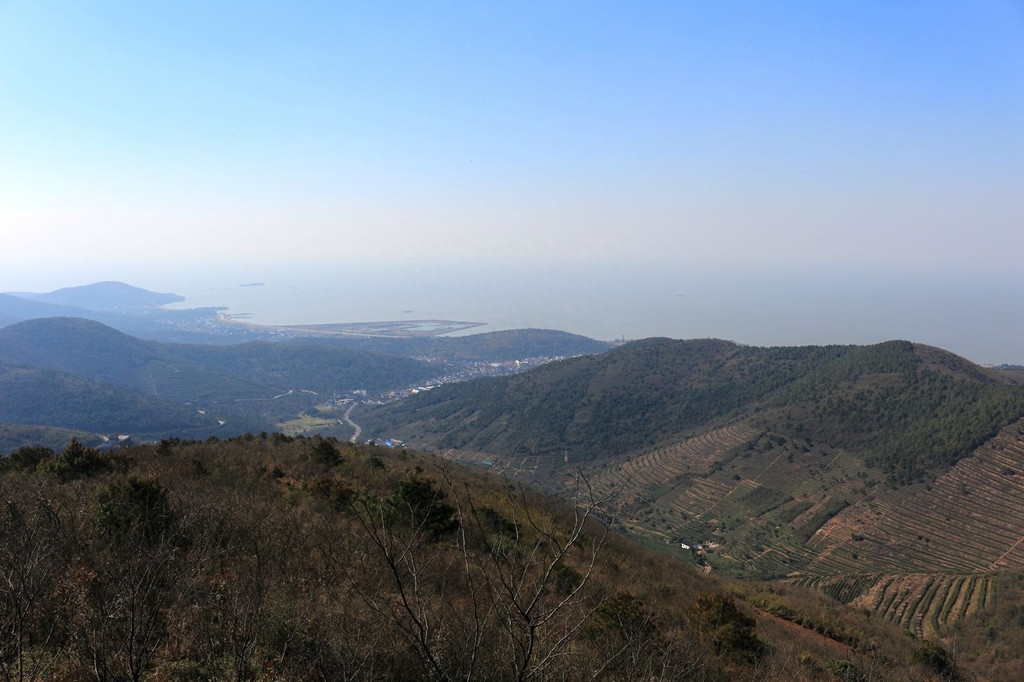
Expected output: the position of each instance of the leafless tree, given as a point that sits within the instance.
(32, 556)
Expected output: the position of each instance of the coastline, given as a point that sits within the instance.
(382, 329)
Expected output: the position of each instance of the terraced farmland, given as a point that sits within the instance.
(750, 494)
(658, 471)
(938, 549)
(924, 603)
(696, 456)
(765, 506)
(970, 519)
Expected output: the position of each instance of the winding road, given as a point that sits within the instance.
(348, 420)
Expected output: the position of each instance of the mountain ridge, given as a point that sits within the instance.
(658, 391)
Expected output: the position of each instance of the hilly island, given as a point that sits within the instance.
(524, 504)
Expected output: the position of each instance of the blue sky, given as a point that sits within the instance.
(856, 132)
(795, 134)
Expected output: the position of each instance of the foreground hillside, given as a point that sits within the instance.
(276, 558)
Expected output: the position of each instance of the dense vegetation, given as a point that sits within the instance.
(267, 557)
(632, 397)
(41, 396)
(909, 409)
(241, 370)
(913, 409)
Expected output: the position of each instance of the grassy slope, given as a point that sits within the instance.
(268, 568)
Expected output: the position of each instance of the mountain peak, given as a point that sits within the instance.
(109, 296)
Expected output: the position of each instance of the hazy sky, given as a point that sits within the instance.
(874, 133)
(769, 172)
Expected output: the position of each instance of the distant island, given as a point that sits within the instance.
(102, 296)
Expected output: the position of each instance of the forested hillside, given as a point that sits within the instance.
(78, 374)
(911, 408)
(906, 408)
(628, 398)
(47, 397)
(242, 370)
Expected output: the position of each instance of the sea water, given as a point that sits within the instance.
(979, 317)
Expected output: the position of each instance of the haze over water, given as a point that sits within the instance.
(979, 318)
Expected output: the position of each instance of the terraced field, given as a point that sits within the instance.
(765, 506)
(970, 519)
(745, 494)
(696, 456)
(938, 549)
(758, 504)
(927, 604)
(665, 466)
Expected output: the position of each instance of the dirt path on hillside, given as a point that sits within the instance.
(355, 427)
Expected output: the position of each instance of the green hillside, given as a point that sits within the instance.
(189, 372)
(316, 367)
(47, 397)
(14, 436)
(906, 408)
(911, 409)
(96, 351)
(626, 399)
(257, 385)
